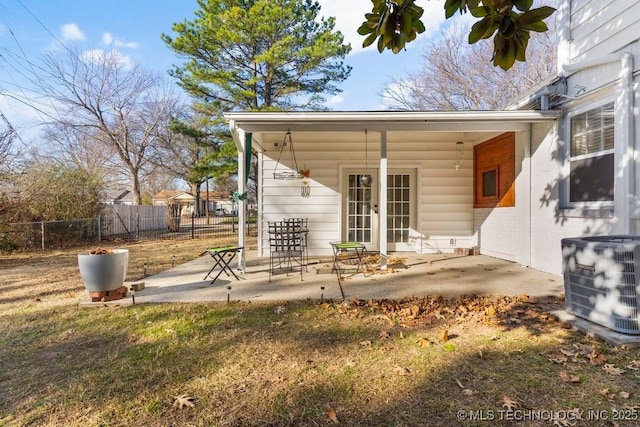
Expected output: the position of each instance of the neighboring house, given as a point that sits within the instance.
(185, 200)
(118, 197)
(561, 162)
(220, 202)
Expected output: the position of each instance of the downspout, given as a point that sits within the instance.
(629, 149)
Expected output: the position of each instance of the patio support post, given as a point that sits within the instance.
(242, 189)
(382, 201)
(524, 197)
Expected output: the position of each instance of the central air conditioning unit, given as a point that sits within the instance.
(602, 280)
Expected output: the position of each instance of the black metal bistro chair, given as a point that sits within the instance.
(301, 225)
(286, 248)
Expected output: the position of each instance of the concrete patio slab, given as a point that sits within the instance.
(614, 338)
(409, 275)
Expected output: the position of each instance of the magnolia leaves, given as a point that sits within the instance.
(513, 28)
(393, 23)
(397, 22)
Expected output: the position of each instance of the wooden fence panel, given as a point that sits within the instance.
(131, 219)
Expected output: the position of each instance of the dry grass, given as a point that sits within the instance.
(368, 363)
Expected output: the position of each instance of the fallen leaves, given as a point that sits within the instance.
(634, 365)
(184, 400)
(423, 342)
(465, 391)
(449, 347)
(612, 370)
(509, 403)
(415, 312)
(276, 380)
(610, 395)
(490, 311)
(400, 370)
(569, 378)
(596, 358)
(331, 414)
(101, 251)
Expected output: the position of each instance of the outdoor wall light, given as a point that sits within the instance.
(459, 154)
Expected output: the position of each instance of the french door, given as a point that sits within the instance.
(361, 209)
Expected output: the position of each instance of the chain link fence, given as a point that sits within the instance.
(64, 234)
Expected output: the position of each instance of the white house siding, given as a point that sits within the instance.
(596, 29)
(600, 27)
(444, 195)
(549, 222)
(496, 230)
(321, 208)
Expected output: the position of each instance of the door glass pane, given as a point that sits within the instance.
(358, 210)
(398, 207)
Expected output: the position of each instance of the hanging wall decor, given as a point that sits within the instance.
(305, 188)
(294, 172)
(305, 184)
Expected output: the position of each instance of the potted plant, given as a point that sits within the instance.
(103, 270)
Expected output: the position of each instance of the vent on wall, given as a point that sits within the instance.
(602, 280)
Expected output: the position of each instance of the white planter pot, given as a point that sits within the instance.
(104, 272)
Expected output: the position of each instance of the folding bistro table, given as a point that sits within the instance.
(356, 247)
(223, 257)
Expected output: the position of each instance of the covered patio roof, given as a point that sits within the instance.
(434, 121)
(244, 124)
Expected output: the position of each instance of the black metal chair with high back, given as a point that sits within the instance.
(286, 248)
(302, 226)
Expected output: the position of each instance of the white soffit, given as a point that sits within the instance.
(509, 120)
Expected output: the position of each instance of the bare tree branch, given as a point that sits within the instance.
(457, 76)
(106, 101)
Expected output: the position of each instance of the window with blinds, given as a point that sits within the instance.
(591, 160)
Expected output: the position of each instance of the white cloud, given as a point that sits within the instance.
(128, 45)
(72, 32)
(349, 16)
(101, 54)
(334, 100)
(107, 39)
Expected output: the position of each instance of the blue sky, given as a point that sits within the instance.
(133, 27)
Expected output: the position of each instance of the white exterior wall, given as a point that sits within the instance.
(503, 232)
(496, 231)
(596, 29)
(601, 27)
(322, 208)
(550, 223)
(444, 196)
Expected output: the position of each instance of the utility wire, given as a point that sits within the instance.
(19, 64)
